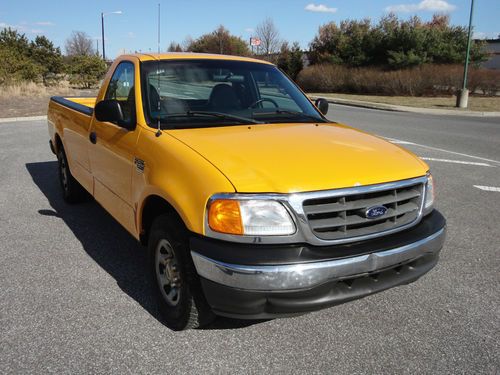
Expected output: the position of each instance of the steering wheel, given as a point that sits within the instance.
(254, 104)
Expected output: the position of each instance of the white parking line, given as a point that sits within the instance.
(398, 141)
(457, 161)
(488, 188)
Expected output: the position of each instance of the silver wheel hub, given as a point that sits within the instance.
(167, 272)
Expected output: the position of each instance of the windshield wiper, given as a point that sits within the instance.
(290, 112)
(221, 115)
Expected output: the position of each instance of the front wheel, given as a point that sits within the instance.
(180, 298)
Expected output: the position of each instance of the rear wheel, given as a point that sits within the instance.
(180, 297)
(72, 191)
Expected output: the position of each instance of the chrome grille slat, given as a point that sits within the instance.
(357, 219)
(362, 203)
(353, 233)
(339, 217)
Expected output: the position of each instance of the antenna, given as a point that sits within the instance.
(158, 132)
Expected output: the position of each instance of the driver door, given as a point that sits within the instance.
(113, 149)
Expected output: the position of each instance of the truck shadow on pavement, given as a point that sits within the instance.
(107, 243)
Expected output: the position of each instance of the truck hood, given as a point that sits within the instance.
(287, 158)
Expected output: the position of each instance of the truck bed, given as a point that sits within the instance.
(81, 104)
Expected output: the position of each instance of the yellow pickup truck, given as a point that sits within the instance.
(251, 203)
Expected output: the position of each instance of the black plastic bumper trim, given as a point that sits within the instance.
(243, 304)
(250, 254)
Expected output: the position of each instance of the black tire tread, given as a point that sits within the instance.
(196, 312)
(76, 193)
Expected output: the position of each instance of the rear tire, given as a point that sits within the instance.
(181, 301)
(72, 191)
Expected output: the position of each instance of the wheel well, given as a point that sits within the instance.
(154, 207)
(58, 144)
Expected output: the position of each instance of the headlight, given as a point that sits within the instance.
(250, 217)
(429, 194)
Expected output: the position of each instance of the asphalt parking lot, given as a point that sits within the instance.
(74, 297)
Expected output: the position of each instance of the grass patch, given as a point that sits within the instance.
(476, 103)
(31, 99)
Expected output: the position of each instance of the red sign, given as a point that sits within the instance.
(255, 42)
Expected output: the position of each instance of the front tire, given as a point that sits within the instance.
(180, 298)
(72, 191)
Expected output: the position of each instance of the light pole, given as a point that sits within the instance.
(102, 30)
(463, 94)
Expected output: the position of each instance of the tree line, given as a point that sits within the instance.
(390, 44)
(272, 48)
(393, 43)
(41, 62)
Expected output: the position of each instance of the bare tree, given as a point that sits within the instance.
(79, 44)
(269, 36)
(187, 43)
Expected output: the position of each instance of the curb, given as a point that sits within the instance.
(400, 108)
(17, 119)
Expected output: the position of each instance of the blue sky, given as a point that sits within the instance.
(297, 20)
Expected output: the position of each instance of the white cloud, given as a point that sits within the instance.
(424, 5)
(249, 30)
(130, 34)
(45, 23)
(22, 28)
(320, 8)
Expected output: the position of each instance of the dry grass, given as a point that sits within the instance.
(425, 80)
(33, 89)
(31, 99)
(476, 103)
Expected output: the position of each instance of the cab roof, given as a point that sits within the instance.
(191, 56)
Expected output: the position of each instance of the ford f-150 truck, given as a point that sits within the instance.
(251, 203)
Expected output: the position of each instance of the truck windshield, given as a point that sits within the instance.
(204, 93)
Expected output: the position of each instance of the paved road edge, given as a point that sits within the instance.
(28, 118)
(348, 102)
(400, 108)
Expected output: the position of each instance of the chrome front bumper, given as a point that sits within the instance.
(308, 275)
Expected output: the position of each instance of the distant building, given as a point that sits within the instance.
(493, 47)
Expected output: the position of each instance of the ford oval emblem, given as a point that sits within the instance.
(375, 212)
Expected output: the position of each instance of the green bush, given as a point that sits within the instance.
(49, 58)
(290, 60)
(219, 41)
(86, 71)
(393, 42)
(23, 60)
(17, 67)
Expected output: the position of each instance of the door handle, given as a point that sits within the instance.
(93, 137)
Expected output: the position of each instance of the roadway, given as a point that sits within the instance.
(74, 298)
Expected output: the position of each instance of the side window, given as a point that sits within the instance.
(121, 88)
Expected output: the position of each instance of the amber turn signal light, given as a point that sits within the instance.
(224, 216)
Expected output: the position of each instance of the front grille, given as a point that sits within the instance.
(341, 217)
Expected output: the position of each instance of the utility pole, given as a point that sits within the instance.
(102, 30)
(463, 94)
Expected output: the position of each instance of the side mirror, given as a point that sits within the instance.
(322, 105)
(110, 111)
